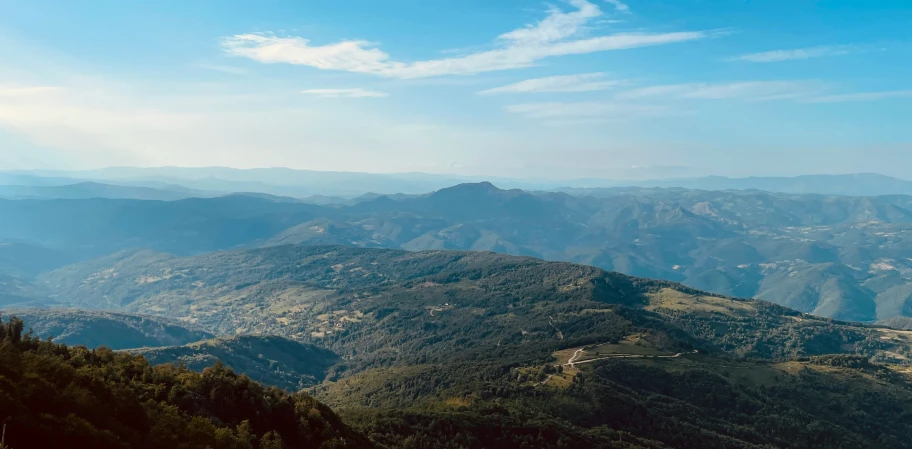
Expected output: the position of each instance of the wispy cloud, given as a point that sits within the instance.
(345, 93)
(589, 109)
(797, 54)
(751, 90)
(862, 96)
(560, 33)
(619, 6)
(586, 82)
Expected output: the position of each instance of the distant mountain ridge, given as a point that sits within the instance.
(308, 183)
(857, 184)
(844, 257)
(89, 189)
(115, 330)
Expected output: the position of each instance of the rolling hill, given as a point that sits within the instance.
(87, 190)
(302, 183)
(834, 256)
(274, 361)
(329, 295)
(93, 328)
(55, 396)
(477, 349)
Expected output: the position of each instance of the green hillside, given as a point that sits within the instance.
(274, 361)
(475, 350)
(94, 328)
(55, 396)
(375, 307)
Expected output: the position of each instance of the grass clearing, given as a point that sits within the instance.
(667, 298)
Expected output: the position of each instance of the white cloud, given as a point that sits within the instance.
(557, 35)
(797, 54)
(619, 5)
(586, 82)
(557, 26)
(862, 96)
(345, 93)
(589, 109)
(751, 90)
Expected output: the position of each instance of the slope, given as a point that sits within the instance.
(55, 396)
(844, 257)
(472, 350)
(375, 307)
(271, 360)
(111, 329)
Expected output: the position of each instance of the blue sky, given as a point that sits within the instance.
(565, 89)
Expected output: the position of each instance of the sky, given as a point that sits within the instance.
(562, 89)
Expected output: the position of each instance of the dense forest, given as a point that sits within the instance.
(52, 395)
(470, 350)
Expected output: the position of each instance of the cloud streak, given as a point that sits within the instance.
(586, 82)
(559, 34)
(749, 90)
(589, 110)
(796, 54)
(862, 96)
(345, 93)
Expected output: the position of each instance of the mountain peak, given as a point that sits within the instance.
(469, 192)
(483, 186)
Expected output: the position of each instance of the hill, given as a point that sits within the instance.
(855, 184)
(86, 190)
(302, 183)
(475, 349)
(17, 292)
(672, 402)
(26, 259)
(55, 396)
(375, 307)
(834, 256)
(96, 227)
(99, 328)
(275, 361)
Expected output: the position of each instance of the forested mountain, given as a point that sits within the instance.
(379, 306)
(86, 190)
(272, 360)
(835, 256)
(94, 328)
(96, 227)
(55, 396)
(475, 349)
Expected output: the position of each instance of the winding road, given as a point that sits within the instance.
(572, 361)
(579, 352)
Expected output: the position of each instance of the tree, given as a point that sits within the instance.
(271, 440)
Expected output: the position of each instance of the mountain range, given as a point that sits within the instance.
(212, 181)
(842, 257)
(477, 349)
